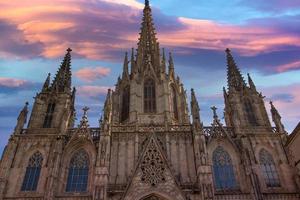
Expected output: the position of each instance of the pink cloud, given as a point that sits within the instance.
(289, 66)
(94, 29)
(90, 91)
(12, 82)
(91, 74)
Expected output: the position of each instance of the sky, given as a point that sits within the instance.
(264, 37)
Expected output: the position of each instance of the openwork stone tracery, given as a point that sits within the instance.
(152, 166)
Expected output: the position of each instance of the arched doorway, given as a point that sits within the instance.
(153, 197)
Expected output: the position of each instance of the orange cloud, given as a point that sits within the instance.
(94, 29)
(91, 74)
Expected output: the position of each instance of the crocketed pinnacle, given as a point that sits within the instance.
(125, 67)
(251, 83)
(47, 83)
(195, 108)
(171, 66)
(148, 47)
(62, 80)
(84, 123)
(234, 76)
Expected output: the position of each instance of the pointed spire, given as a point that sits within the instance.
(22, 119)
(62, 80)
(251, 83)
(171, 66)
(234, 76)
(125, 67)
(163, 62)
(84, 123)
(133, 64)
(148, 46)
(195, 110)
(277, 119)
(46, 84)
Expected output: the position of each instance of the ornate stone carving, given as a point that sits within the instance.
(152, 166)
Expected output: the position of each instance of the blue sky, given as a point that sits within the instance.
(263, 36)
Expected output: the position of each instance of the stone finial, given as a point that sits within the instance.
(84, 123)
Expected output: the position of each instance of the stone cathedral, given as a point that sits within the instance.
(150, 143)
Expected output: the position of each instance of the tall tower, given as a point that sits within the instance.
(149, 94)
(54, 105)
(244, 106)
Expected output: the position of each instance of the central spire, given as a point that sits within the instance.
(148, 47)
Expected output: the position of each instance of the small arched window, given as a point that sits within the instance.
(174, 102)
(33, 171)
(250, 112)
(223, 170)
(149, 96)
(125, 104)
(268, 168)
(49, 115)
(78, 172)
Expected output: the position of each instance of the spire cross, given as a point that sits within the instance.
(85, 109)
(214, 109)
(69, 50)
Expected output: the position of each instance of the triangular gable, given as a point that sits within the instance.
(153, 175)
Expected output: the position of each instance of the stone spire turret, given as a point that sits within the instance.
(277, 119)
(234, 76)
(22, 119)
(125, 67)
(195, 110)
(62, 80)
(163, 62)
(251, 83)
(148, 47)
(46, 84)
(132, 61)
(171, 66)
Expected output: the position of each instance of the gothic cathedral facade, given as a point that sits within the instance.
(148, 146)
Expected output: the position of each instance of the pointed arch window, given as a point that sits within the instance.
(32, 173)
(149, 96)
(223, 170)
(125, 104)
(250, 112)
(268, 169)
(78, 172)
(49, 115)
(174, 102)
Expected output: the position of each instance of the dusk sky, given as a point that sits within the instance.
(264, 36)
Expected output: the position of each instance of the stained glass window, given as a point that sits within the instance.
(125, 103)
(149, 96)
(49, 115)
(78, 172)
(223, 170)
(174, 102)
(268, 168)
(33, 171)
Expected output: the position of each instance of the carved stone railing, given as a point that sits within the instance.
(209, 130)
(94, 132)
(281, 196)
(81, 197)
(150, 128)
(23, 198)
(116, 188)
(233, 196)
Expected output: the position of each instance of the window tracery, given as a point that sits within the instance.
(174, 102)
(49, 115)
(32, 173)
(149, 96)
(223, 170)
(78, 172)
(125, 104)
(152, 166)
(268, 168)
